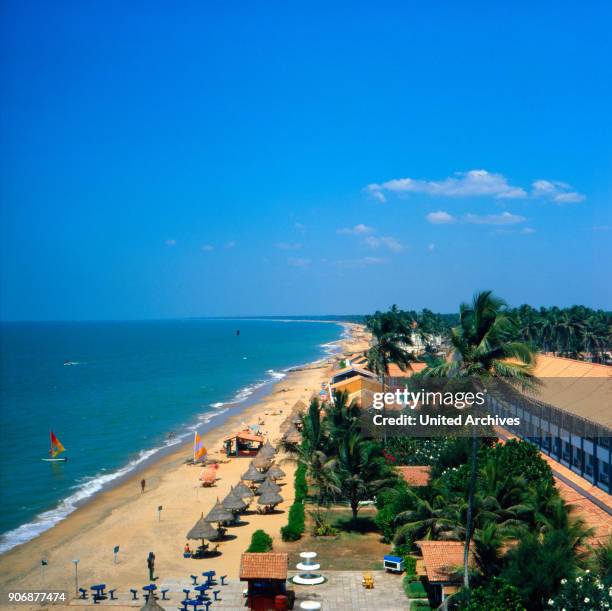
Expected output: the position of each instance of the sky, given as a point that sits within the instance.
(247, 158)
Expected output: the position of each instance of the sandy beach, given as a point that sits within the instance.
(126, 517)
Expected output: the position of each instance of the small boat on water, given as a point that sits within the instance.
(56, 449)
(69, 363)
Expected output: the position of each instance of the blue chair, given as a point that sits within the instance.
(195, 579)
(112, 594)
(134, 594)
(186, 592)
(164, 592)
(83, 594)
(216, 594)
(223, 578)
(207, 604)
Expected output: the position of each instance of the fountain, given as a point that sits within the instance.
(308, 565)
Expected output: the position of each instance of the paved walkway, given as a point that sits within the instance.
(341, 592)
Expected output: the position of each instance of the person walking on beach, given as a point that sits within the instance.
(143, 483)
(151, 566)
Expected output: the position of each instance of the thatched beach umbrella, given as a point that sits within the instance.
(275, 472)
(151, 604)
(268, 485)
(233, 502)
(243, 491)
(219, 514)
(253, 475)
(293, 435)
(270, 499)
(267, 450)
(261, 462)
(203, 530)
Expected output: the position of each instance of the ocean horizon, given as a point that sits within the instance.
(164, 378)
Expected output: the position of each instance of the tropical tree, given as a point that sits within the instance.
(484, 350)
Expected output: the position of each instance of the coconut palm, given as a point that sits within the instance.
(484, 351)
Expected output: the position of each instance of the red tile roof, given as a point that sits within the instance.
(263, 566)
(417, 476)
(412, 368)
(443, 560)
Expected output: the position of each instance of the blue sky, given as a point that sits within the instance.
(219, 158)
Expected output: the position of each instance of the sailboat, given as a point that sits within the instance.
(56, 449)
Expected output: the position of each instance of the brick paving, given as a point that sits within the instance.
(341, 592)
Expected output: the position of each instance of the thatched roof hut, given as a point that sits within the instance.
(243, 491)
(261, 462)
(219, 514)
(275, 472)
(270, 499)
(203, 530)
(234, 502)
(268, 485)
(267, 450)
(253, 475)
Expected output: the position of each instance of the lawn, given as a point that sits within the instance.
(356, 547)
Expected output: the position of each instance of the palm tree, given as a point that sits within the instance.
(361, 471)
(391, 331)
(483, 351)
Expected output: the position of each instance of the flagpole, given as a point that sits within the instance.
(195, 436)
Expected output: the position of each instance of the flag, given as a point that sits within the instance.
(199, 451)
(56, 446)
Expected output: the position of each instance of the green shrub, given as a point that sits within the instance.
(296, 523)
(413, 589)
(417, 605)
(301, 486)
(409, 564)
(261, 542)
(496, 595)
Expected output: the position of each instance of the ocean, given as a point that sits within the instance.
(130, 384)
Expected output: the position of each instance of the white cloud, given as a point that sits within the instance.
(386, 241)
(170, 242)
(288, 246)
(557, 191)
(297, 262)
(527, 230)
(230, 244)
(431, 247)
(299, 226)
(505, 218)
(462, 184)
(207, 248)
(361, 262)
(360, 229)
(440, 218)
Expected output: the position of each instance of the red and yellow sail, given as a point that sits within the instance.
(199, 451)
(56, 446)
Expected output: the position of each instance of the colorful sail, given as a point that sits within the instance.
(56, 446)
(199, 451)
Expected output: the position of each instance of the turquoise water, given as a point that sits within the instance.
(131, 384)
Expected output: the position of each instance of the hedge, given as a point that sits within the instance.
(261, 542)
(419, 605)
(413, 589)
(297, 519)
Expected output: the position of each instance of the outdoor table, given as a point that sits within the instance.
(209, 575)
(98, 589)
(150, 589)
(202, 589)
(310, 605)
(192, 602)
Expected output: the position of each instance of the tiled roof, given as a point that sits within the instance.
(245, 436)
(263, 566)
(411, 369)
(443, 560)
(417, 476)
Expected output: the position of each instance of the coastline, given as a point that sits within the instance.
(73, 537)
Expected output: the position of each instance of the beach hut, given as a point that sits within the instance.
(243, 491)
(266, 577)
(269, 500)
(243, 443)
(233, 502)
(267, 450)
(253, 475)
(275, 472)
(219, 514)
(203, 530)
(261, 463)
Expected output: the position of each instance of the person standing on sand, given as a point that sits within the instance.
(143, 483)
(151, 566)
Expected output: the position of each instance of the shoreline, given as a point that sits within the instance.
(21, 564)
(204, 422)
